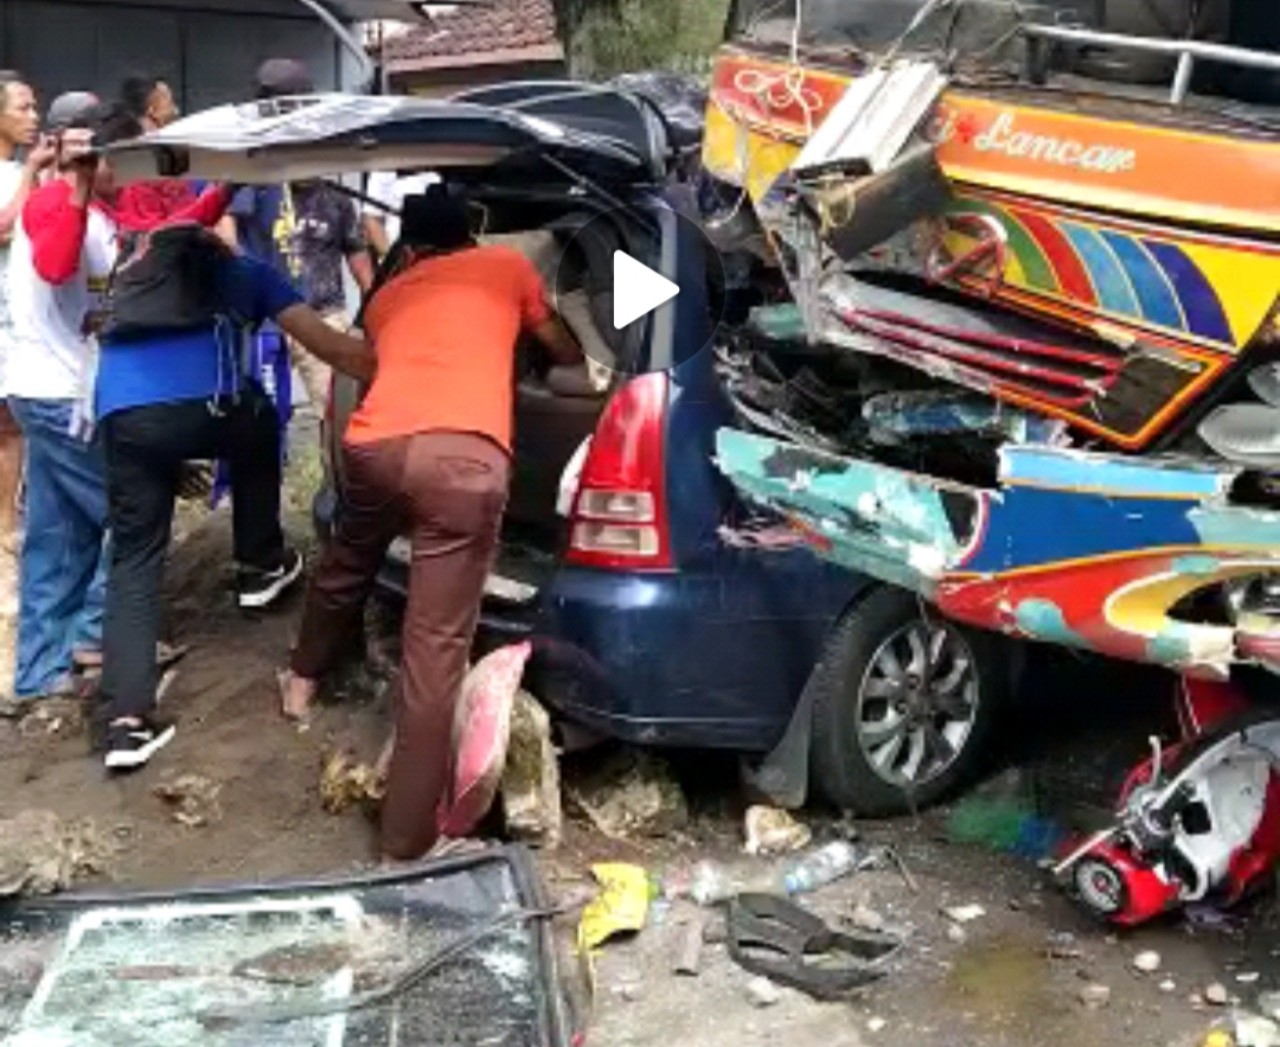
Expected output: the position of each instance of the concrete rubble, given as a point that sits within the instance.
(632, 795)
(41, 853)
(530, 788)
(192, 799)
(345, 782)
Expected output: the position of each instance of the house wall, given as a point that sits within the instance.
(439, 83)
(207, 49)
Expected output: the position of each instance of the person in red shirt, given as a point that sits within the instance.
(427, 452)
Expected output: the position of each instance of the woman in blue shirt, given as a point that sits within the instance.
(166, 397)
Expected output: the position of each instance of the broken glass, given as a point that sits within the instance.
(354, 964)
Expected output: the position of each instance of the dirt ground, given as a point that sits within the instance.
(992, 984)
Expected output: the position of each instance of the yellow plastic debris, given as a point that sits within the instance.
(621, 906)
(1219, 1038)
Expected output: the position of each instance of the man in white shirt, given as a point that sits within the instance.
(389, 190)
(19, 130)
(62, 255)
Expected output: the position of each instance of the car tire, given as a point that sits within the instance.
(947, 716)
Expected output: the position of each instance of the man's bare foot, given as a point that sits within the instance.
(383, 766)
(296, 695)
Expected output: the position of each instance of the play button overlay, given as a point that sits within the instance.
(637, 290)
(642, 290)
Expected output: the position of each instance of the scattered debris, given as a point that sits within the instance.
(1168, 985)
(41, 854)
(1253, 1030)
(630, 990)
(876, 1025)
(866, 919)
(1216, 994)
(192, 799)
(762, 992)
(956, 934)
(1204, 917)
(821, 866)
(530, 786)
(689, 952)
(716, 930)
(345, 783)
(52, 716)
(1147, 962)
(299, 965)
(1269, 1004)
(1218, 1038)
(964, 913)
(1247, 977)
(1095, 996)
(772, 936)
(771, 830)
(895, 859)
(1063, 946)
(632, 794)
(622, 905)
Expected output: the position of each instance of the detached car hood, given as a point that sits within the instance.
(319, 136)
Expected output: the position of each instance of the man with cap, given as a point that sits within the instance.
(63, 251)
(19, 130)
(307, 230)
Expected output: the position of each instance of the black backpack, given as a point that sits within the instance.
(167, 279)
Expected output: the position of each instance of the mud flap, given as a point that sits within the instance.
(782, 777)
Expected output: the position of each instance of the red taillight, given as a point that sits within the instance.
(619, 514)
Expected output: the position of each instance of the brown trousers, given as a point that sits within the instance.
(448, 490)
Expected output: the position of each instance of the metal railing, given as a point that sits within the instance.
(1186, 51)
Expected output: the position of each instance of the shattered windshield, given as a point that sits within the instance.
(351, 965)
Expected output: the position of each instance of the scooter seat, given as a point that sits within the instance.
(1245, 433)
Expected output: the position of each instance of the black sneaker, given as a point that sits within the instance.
(260, 589)
(131, 747)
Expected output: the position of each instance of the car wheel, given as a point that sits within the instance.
(906, 705)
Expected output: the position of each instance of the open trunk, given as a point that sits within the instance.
(560, 171)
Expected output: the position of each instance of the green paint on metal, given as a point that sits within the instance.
(783, 323)
(1196, 564)
(1042, 619)
(1169, 648)
(1236, 526)
(879, 520)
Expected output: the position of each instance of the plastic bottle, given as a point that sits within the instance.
(712, 883)
(821, 866)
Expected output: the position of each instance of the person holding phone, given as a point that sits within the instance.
(19, 133)
(62, 254)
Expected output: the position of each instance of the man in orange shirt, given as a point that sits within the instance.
(428, 451)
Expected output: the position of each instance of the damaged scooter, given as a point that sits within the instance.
(1030, 370)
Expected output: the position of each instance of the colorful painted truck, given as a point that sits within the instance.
(1049, 404)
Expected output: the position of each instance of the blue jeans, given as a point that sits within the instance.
(64, 561)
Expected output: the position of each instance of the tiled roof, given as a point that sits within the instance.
(502, 28)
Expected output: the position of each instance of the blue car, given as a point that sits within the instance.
(659, 611)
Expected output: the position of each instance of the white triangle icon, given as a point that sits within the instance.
(637, 290)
